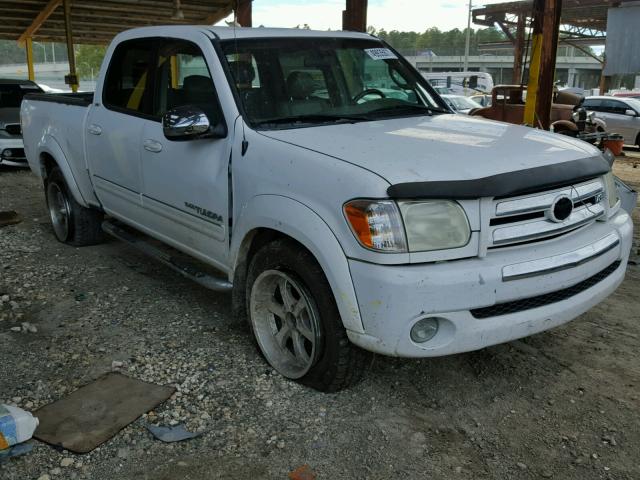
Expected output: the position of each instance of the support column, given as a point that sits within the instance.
(534, 62)
(354, 18)
(244, 13)
(518, 49)
(550, 35)
(28, 43)
(72, 78)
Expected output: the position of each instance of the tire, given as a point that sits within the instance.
(324, 359)
(72, 223)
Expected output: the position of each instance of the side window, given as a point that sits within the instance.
(612, 106)
(183, 78)
(593, 104)
(128, 85)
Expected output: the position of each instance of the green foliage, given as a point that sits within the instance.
(88, 60)
(441, 43)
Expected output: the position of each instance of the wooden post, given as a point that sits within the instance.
(354, 18)
(72, 78)
(29, 48)
(518, 49)
(534, 63)
(550, 34)
(244, 13)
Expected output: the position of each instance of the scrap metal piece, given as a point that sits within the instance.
(172, 434)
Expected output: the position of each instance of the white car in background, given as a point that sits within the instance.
(11, 146)
(622, 115)
(460, 104)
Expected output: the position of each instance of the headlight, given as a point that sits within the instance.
(377, 225)
(611, 190)
(435, 225)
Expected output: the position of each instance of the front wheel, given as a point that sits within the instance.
(72, 223)
(295, 319)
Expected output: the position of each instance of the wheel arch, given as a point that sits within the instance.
(264, 221)
(50, 155)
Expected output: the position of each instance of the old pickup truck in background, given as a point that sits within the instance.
(334, 193)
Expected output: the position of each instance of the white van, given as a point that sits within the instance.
(461, 83)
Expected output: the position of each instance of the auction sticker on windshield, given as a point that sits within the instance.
(380, 53)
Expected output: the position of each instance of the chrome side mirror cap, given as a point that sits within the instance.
(188, 123)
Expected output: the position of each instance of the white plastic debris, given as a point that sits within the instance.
(16, 426)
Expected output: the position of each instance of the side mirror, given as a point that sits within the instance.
(188, 123)
(631, 113)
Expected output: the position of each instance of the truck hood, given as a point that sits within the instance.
(441, 148)
(9, 115)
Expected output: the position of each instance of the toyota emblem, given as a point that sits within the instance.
(561, 209)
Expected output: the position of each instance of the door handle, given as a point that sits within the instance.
(152, 146)
(94, 129)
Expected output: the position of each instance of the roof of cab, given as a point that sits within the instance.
(228, 33)
(262, 32)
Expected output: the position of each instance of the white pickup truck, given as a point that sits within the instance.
(334, 193)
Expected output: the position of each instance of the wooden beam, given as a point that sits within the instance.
(29, 48)
(244, 13)
(530, 117)
(72, 78)
(550, 35)
(39, 20)
(507, 32)
(518, 49)
(354, 18)
(218, 15)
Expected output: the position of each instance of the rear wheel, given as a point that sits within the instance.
(72, 223)
(295, 319)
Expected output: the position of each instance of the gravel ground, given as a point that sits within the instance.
(562, 404)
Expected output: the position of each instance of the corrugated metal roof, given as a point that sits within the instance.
(98, 21)
(623, 41)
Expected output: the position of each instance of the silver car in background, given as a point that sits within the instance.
(11, 146)
(622, 115)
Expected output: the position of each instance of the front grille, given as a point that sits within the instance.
(13, 154)
(546, 299)
(527, 219)
(13, 129)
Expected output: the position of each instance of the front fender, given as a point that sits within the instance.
(48, 145)
(296, 220)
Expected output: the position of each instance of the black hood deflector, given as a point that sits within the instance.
(509, 184)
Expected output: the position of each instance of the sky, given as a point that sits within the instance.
(403, 15)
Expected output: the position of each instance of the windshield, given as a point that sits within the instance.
(300, 81)
(11, 95)
(635, 104)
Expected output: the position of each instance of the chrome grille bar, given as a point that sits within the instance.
(521, 232)
(545, 200)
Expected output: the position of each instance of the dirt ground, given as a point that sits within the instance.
(564, 404)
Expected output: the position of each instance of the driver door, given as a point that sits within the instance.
(185, 182)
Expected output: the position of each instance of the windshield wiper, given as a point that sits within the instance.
(409, 108)
(312, 118)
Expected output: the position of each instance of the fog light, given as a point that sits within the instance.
(7, 153)
(424, 329)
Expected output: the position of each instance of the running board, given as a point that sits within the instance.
(185, 268)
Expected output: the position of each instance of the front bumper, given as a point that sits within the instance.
(16, 157)
(393, 298)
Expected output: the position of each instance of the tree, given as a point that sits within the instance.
(88, 60)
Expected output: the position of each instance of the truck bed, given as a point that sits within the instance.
(83, 99)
